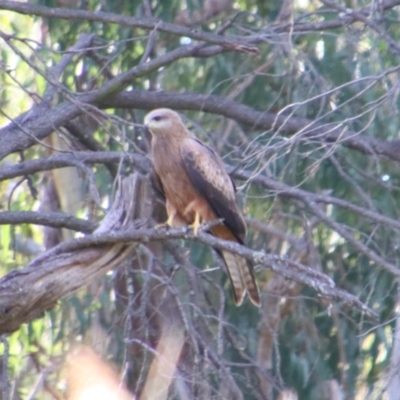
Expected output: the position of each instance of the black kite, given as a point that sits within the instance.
(197, 189)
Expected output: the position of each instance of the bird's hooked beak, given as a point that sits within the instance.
(147, 123)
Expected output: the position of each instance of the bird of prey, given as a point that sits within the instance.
(193, 180)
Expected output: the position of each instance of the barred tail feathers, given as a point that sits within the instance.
(242, 278)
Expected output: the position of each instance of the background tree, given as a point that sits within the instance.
(300, 98)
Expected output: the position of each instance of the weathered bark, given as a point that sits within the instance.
(42, 121)
(12, 303)
(25, 294)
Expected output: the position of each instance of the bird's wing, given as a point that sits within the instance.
(207, 173)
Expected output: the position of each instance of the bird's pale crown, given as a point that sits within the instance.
(162, 120)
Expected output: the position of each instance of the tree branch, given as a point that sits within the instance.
(281, 189)
(236, 43)
(33, 126)
(52, 219)
(289, 125)
(74, 263)
(239, 43)
(346, 19)
(40, 125)
(28, 292)
(143, 164)
(367, 20)
(69, 159)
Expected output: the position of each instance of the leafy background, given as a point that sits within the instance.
(325, 63)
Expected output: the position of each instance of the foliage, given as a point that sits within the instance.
(308, 127)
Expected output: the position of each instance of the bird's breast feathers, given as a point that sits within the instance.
(172, 173)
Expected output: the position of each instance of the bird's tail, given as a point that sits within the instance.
(242, 278)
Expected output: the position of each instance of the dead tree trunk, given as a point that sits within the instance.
(25, 294)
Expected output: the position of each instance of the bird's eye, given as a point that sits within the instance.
(157, 118)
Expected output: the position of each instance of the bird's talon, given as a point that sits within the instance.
(164, 225)
(196, 224)
(194, 229)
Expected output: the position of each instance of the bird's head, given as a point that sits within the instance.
(162, 121)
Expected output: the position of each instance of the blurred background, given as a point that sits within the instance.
(301, 102)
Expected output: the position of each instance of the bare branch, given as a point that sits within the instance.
(284, 190)
(40, 125)
(347, 18)
(331, 132)
(143, 165)
(36, 124)
(362, 16)
(53, 75)
(53, 219)
(73, 159)
(235, 43)
(238, 43)
(26, 293)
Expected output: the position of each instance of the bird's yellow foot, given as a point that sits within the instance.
(196, 224)
(167, 224)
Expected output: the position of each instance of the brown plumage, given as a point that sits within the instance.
(197, 189)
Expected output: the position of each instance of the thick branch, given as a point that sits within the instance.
(52, 219)
(41, 125)
(143, 165)
(229, 41)
(36, 124)
(236, 43)
(26, 293)
(73, 159)
(289, 125)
